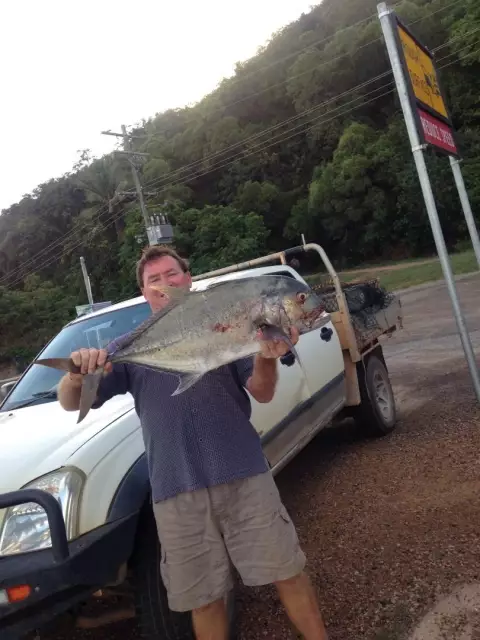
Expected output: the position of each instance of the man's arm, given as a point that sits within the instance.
(263, 381)
(68, 391)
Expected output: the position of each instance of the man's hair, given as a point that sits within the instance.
(153, 253)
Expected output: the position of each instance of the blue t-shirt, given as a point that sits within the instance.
(200, 438)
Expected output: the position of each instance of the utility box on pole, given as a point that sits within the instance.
(160, 230)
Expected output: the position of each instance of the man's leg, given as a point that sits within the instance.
(298, 598)
(195, 566)
(263, 545)
(211, 622)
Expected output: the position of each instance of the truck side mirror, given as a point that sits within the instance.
(6, 387)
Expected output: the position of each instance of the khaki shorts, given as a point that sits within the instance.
(203, 532)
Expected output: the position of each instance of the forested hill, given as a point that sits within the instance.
(306, 137)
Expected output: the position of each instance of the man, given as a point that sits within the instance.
(214, 498)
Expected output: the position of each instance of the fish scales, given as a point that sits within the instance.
(201, 331)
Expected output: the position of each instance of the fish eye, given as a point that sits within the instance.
(301, 297)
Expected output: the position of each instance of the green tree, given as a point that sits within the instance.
(214, 237)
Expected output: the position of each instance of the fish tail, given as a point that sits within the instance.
(64, 364)
(88, 393)
(90, 381)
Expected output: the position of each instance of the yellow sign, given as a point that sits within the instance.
(422, 74)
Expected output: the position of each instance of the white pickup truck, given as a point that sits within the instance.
(75, 514)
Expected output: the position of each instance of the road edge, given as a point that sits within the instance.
(433, 283)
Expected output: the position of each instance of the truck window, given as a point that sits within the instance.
(88, 333)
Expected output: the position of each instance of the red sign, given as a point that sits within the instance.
(437, 132)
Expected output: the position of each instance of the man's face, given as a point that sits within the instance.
(164, 271)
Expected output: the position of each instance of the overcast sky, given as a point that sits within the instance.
(72, 69)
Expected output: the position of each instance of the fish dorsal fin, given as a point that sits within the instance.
(125, 342)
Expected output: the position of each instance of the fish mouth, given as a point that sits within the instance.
(311, 318)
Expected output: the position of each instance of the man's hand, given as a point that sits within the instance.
(88, 360)
(274, 349)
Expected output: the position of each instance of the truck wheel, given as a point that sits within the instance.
(376, 415)
(156, 620)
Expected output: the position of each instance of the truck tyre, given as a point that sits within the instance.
(156, 620)
(376, 415)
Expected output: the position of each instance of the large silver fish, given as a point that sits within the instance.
(199, 331)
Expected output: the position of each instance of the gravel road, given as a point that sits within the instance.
(389, 526)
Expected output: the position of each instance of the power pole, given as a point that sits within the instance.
(86, 280)
(131, 157)
(127, 146)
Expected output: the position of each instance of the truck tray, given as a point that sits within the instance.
(373, 311)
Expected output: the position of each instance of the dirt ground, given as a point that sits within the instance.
(391, 527)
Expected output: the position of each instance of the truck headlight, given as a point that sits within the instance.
(25, 526)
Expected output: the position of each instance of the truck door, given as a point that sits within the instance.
(303, 404)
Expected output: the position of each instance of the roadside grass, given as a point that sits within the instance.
(389, 263)
(402, 277)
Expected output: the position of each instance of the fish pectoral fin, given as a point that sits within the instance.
(88, 392)
(187, 380)
(270, 332)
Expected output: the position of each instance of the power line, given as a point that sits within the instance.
(294, 54)
(62, 239)
(390, 91)
(59, 241)
(278, 141)
(462, 35)
(68, 249)
(340, 57)
(53, 259)
(261, 147)
(178, 172)
(268, 130)
(74, 232)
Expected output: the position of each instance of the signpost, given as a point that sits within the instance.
(434, 124)
(427, 122)
(421, 70)
(437, 133)
(433, 121)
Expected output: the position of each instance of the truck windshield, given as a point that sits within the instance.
(39, 383)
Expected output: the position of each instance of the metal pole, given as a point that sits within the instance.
(417, 149)
(303, 239)
(86, 279)
(138, 186)
(467, 209)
